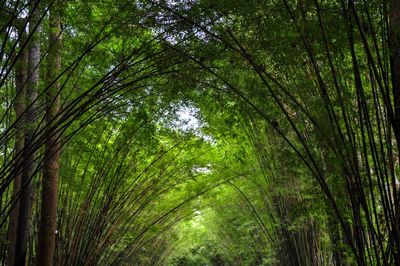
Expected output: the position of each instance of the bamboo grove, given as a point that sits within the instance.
(199, 132)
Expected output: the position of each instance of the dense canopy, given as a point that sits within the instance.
(200, 132)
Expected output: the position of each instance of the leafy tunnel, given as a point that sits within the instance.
(199, 132)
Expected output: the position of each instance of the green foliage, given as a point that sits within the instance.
(213, 132)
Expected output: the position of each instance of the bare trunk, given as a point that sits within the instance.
(19, 105)
(395, 74)
(48, 219)
(29, 151)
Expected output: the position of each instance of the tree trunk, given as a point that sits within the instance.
(48, 218)
(394, 45)
(30, 148)
(19, 106)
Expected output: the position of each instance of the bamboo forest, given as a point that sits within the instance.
(200, 132)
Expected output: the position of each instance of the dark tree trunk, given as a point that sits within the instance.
(19, 106)
(394, 43)
(48, 218)
(30, 148)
